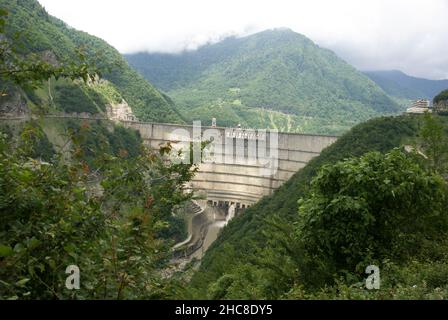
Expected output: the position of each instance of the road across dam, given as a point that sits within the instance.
(237, 168)
(245, 164)
(241, 165)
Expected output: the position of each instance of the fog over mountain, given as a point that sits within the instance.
(409, 35)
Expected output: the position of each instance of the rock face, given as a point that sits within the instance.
(49, 57)
(441, 107)
(120, 112)
(13, 105)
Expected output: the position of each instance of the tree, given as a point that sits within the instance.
(434, 143)
(363, 210)
(442, 96)
(29, 72)
(59, 214)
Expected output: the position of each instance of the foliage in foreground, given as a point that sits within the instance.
(102, 202)
(108, 222)
(383, 208)
(363, 211)
(240, 239)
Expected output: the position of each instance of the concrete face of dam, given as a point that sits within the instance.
(239, 166)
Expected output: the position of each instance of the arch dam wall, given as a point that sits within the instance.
(244, 165)
(240, 165)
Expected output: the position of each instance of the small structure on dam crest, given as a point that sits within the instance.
(239, 166)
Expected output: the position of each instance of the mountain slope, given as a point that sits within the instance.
(276, 77)
(244, 237)
(43, 34)
(400, 85)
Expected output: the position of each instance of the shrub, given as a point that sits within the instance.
(367, 209)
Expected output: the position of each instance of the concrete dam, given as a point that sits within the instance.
(245, 164)
(237, 167)
(240, 166)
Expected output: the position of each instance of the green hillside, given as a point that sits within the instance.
(248, 260)
(32, 30)
(277, 78)
(402, 86)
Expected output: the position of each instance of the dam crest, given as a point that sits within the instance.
(241, 165)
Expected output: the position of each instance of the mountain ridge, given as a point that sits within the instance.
(278, 70)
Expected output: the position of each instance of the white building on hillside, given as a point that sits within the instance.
(419, 106)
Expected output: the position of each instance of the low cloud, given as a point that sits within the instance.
(409, 35)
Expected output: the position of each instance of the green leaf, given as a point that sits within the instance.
(6, 284)
(18, 248)
(5, 251)
(69, 248)
(21, 283)
(33, 243)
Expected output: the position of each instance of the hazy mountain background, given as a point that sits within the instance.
(276, 78)
(402, 86)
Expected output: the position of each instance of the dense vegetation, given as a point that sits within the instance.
(400, 85)
(71, 98)
(90, 194)
(45, 37)
(106, 220)
(276, 78)
(85, 194)
(386, 208)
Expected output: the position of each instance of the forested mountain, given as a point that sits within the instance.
(276, 78)
(33, 31)
(258, 254)
(400, 85)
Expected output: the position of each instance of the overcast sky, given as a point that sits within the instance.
(409, 35)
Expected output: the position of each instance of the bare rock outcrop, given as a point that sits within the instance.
(13, 105)
(120, 112)
(441, 107)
